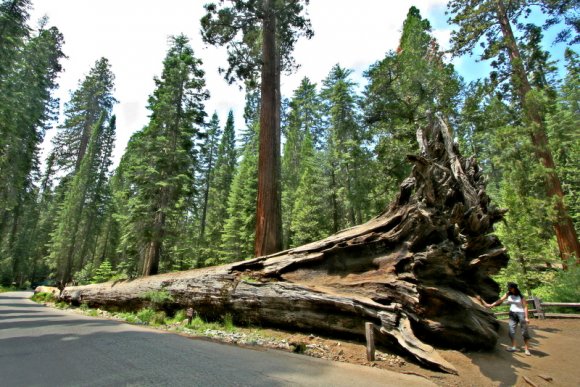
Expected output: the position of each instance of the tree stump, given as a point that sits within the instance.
(416, 271)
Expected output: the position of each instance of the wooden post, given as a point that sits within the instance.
(538, 307)
(189, 315)
(370, 335)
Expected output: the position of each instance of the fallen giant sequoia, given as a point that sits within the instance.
(416, 271)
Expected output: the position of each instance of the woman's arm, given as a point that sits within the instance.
(525, 305)
(498, 302)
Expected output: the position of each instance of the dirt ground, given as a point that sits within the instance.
(555, 348)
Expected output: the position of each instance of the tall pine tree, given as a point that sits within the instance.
(67, 253)
(346, 155)
(404, 88)
(260, 36)
(304, 117)
(27, 108)
(311, 217)
(563, 123)
(239, 229)
(160, 172)
(208, 156)
(491, 23)
(93, 97)
(219, 192)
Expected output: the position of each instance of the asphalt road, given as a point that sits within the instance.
(41, 346)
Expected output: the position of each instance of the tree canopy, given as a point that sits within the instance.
(194, 190)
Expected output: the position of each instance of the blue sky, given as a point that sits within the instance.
(133, 34)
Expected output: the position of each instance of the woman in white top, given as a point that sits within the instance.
(518, 314)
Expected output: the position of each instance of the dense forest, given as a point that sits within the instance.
(194, 189)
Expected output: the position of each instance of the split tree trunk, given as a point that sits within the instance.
(416, 271)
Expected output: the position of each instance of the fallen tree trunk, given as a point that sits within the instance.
(416, 271)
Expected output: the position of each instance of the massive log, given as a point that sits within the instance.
(417, 271)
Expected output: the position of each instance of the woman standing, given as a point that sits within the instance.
(518, 314)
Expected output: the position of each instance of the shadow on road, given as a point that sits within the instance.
(66, 349)
(4, 312)
(43, 321)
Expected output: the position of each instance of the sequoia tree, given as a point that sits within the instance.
(490, 22)
(260, 36)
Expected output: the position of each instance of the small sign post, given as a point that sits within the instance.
(189, 315)
(370, 335)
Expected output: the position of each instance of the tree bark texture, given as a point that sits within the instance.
(152, 252)
(268, 214)
(417, 271)
(566, 236)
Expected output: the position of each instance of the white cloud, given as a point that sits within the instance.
(133, 34)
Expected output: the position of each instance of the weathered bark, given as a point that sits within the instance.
(416, 271)
(268, 212)
(152, 254)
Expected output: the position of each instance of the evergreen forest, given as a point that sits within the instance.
(194, 189)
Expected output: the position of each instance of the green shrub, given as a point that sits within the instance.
(104, 272)
(129, 317)
(84, 307)
(146, 315)
(198, 324)
(159, 318)
(119, 277)
(43, 297)
(93, 312)
(564, 287)
(84, 276)
(179, 316)
(229, 323)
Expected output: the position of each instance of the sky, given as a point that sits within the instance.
(133, 35)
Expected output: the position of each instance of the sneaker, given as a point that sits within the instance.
(511, 349)
(527, 352)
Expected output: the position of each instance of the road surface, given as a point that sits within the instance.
(41, 346)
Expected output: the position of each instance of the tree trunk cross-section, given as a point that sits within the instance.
(416, 271)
